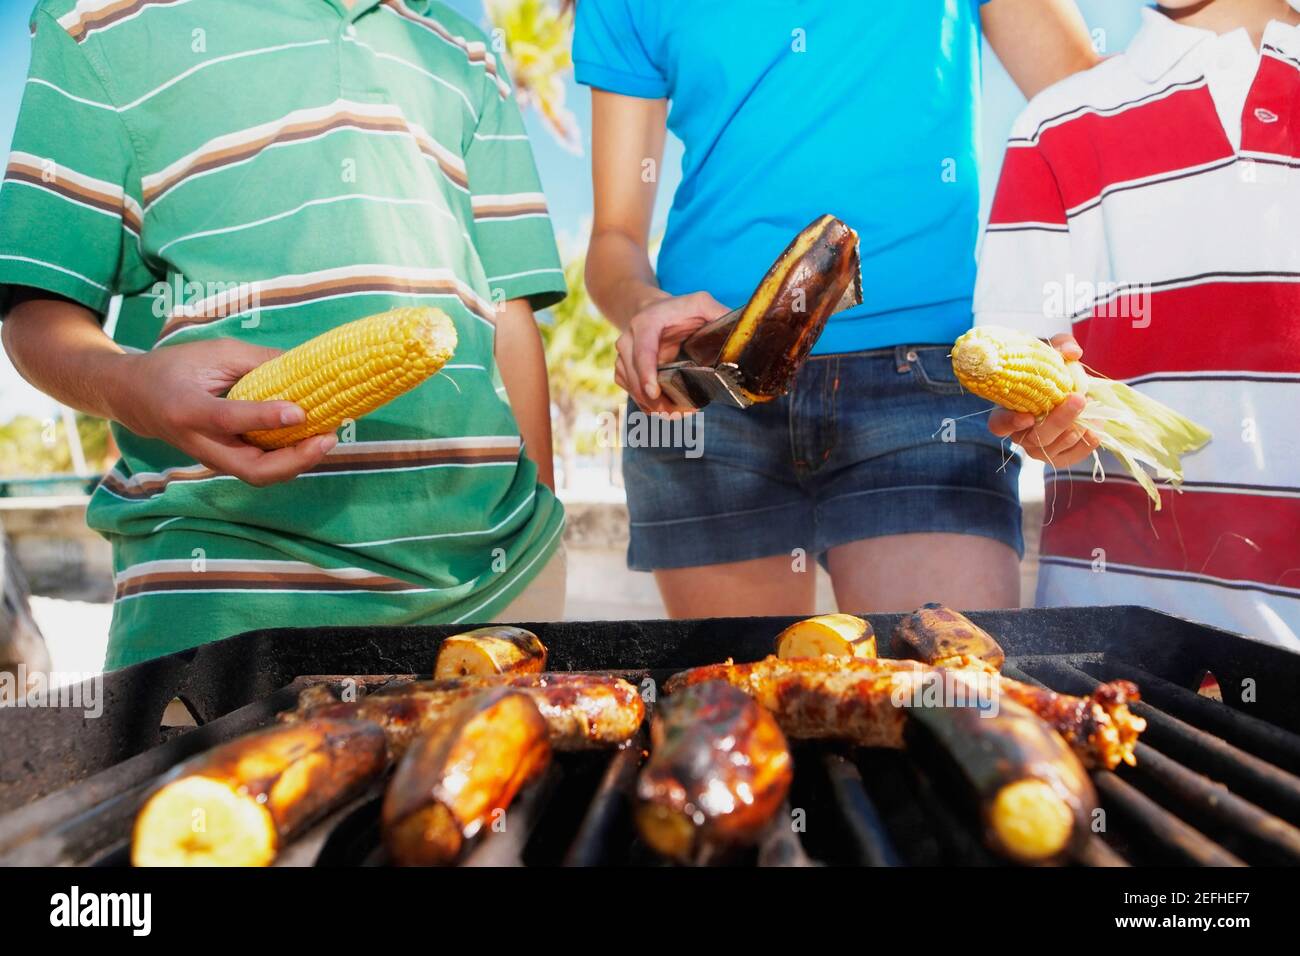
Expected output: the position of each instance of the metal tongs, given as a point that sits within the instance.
(697, 378)
(698, 375)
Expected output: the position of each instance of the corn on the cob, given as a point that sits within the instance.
(1015, 370)
(349, 371)
(1019, 372)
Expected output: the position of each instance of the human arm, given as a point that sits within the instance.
(522, 363)
(1040, 42)
(169, 393)
(627, 148)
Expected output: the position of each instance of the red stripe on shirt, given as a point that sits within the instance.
(1092, 152)
(1246, 326)
(1027, 191)
(1275, 130)
(1235, 536)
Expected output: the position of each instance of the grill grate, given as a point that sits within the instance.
(1214, 785)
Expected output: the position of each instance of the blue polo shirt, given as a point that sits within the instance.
(793, 108)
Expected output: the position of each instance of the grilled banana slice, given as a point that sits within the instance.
(943, 637)
(783, 319)
(456, 778)
(237, 804)
(490, 650)
(841, 635)
(718, 772)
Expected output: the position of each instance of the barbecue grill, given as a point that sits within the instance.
(1216, 782)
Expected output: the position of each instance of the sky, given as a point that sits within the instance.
(565, 177)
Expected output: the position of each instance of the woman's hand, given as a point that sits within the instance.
(654, 336)
(1058, 440)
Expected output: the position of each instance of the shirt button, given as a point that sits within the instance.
(350, 32)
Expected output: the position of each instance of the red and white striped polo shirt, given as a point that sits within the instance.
(1153, 205)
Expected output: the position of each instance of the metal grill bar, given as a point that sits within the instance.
(866, 830)
(590, 847)
(1097, 852)
(1278, 746)
(1245, 773)
(781, 846)
(1190, 844)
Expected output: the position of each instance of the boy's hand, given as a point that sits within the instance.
(171, 394)
(1058, 439)
(653, 336)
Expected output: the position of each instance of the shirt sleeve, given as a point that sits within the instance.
(70, 202)
(610, 52)
(512, 227)
(1025, 260)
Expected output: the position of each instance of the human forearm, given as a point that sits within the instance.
(61, 350)
(170, 394)
(1040, 42)
(619, 276)
(522, 363)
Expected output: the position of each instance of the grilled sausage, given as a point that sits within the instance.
(779, 325)
(718, 772)
(841, 635)
(583, 711)
(454, 779)
(490, 650)
(239, 803)
(854, 699)
(940, 636)
(1034, 798)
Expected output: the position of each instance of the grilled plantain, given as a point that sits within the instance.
(841, 635)
(943, 637)
(583, 711)
(856, 700)
(238, 804)
(1034, 798)
(772, 335)
(490, 650)
(718, 772)
(454, 779)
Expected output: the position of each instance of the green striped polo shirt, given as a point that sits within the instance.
(267, 170)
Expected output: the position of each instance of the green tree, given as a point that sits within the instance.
(580, 356)
(534, 40)
(30, 447)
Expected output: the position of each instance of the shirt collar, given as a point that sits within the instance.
(1162, 44)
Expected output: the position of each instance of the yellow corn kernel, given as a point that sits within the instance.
(1012, 369)
(349, 371)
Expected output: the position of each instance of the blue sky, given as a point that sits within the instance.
(565, 177)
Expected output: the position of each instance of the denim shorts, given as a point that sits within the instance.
(866, 444)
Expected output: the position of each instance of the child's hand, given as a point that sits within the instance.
(1058, 439)
(171, 394)
(654, 336)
